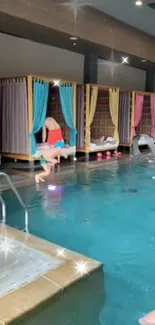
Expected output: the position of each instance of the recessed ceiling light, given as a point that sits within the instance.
(143, 60)
(73, 38)
(74, 44)
(138, 3)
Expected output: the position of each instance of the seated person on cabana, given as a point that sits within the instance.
(49, 158)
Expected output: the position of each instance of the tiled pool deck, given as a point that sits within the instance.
(27, 298)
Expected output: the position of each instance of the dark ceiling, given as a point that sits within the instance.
(139, 17)
(24, 29)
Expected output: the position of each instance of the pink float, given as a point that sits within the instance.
(108, 155)
(149, 319)
(99, 156)
(118, 154)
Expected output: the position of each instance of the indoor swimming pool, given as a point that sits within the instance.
(108, 214)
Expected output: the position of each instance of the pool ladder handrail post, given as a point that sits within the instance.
(3, 209)
(19, 200)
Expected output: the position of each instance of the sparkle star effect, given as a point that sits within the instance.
(57, 83)
(111, 66)
(9, 245)
(60, 252)
(125, 60)
(81, 267)
(6, 246)
(76, 6)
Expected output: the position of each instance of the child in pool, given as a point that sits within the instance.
(48, 159)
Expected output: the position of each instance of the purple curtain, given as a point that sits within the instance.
(80, 116)
(124, 117)
(0, 120)
(14, 116)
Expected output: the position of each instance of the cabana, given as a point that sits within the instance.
(97, 118)
(136, 116)
(25, 103)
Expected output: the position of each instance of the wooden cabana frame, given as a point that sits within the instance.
(29, 81)
(145, 124)
(103, 130)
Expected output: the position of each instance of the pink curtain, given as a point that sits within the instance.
(138, 113)
(153, 116)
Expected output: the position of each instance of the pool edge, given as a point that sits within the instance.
(46, 288)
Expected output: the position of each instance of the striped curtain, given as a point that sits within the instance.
(124, 117)
(80, 116)
(113, 106)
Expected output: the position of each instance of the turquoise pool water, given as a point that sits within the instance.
(109, 215)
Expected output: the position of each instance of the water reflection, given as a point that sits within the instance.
(51, 199)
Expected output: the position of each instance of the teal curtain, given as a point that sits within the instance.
(40, 99)
(66, 97)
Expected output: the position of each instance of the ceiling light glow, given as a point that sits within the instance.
(139, 3)
(73, 38)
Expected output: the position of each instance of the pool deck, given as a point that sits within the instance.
(24, 300)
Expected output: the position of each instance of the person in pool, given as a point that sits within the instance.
(48, 159)
(54, 137)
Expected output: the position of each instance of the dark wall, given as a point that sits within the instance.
(90, 25)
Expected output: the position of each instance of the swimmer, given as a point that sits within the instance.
(148, 319)
(48, 159)
(47, 166)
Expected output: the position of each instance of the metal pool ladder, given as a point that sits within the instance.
(3, 204)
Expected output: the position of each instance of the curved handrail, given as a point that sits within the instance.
(149, 142)
(3, 209)
(18, 198)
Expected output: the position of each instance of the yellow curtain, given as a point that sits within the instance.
(114, 105)
(92, 109)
